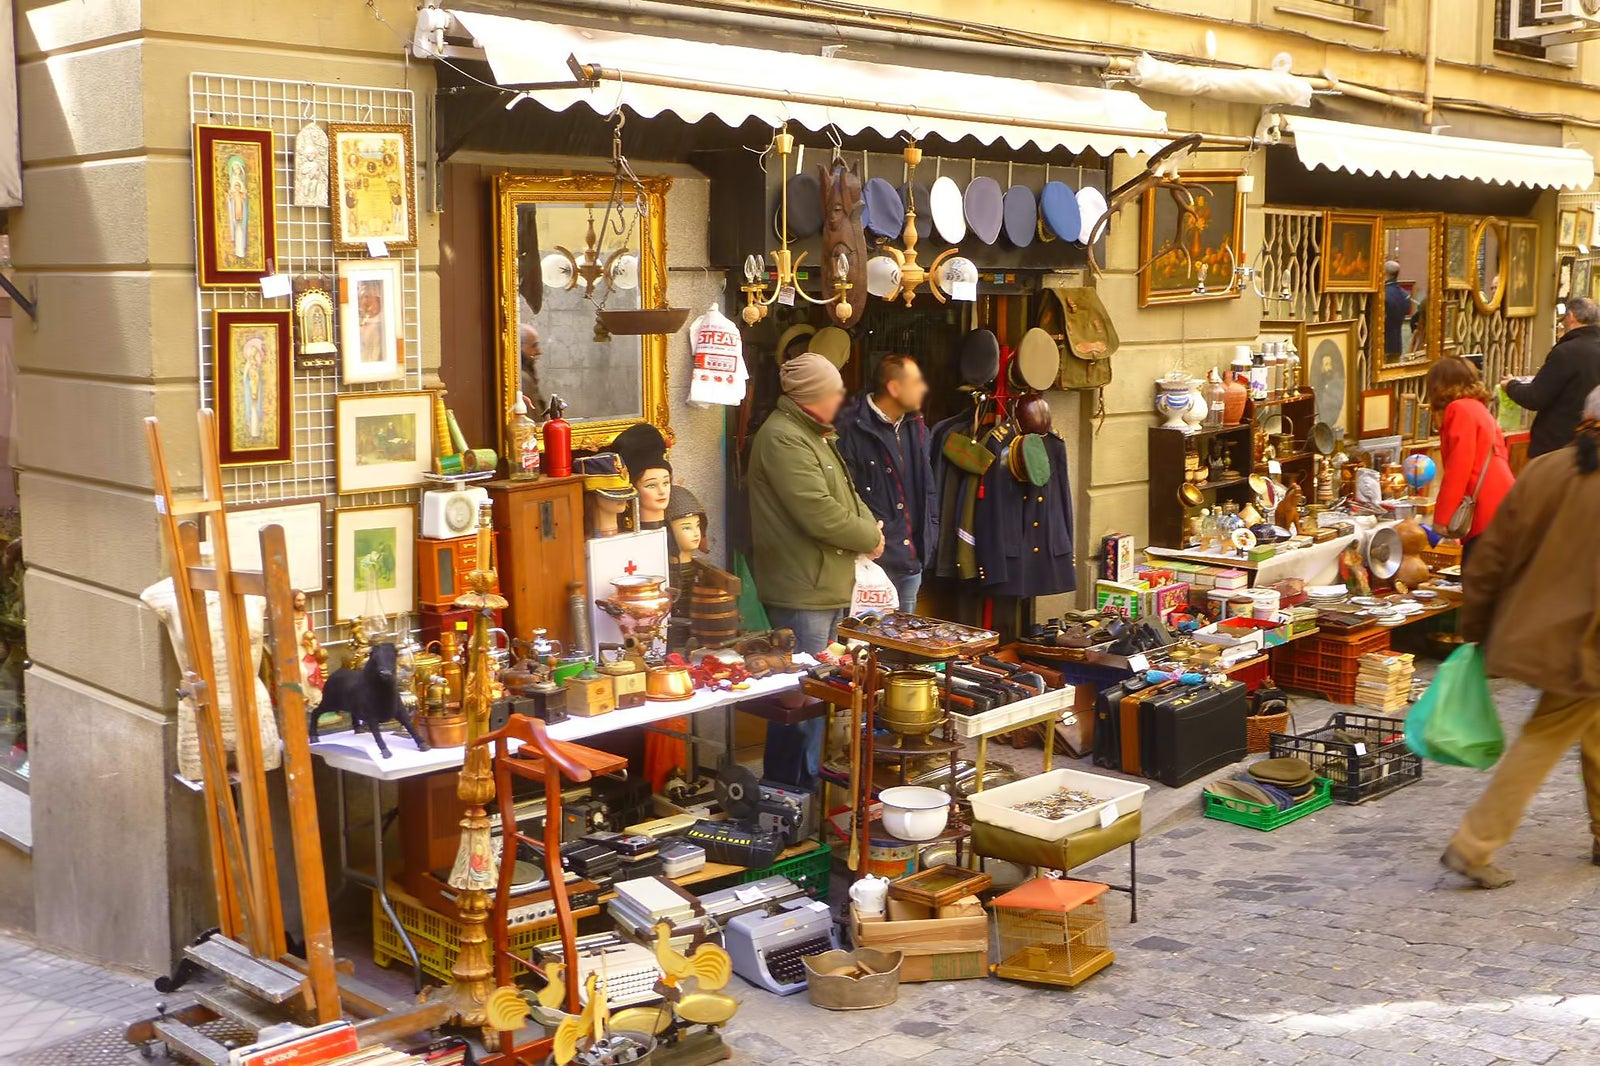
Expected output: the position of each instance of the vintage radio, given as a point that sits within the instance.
(444, 569)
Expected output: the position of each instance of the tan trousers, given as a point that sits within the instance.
(1557, 723)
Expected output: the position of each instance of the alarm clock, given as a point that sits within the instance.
(452, 512)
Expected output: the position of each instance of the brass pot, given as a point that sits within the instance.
(444, 730)
(668, 683)
(911, 703)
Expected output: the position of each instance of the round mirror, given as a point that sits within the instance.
(1488, 263)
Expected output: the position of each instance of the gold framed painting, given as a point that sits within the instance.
(1458, 253)
(1350, 252)
(1185, 251)
(382, 440)
(372, 186)
(250, 350)
(374, 560)
(1522, 270)
(1330, 355)
(235, 206)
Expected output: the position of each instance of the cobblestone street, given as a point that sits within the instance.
(1338, 938)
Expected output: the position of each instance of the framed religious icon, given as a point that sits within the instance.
(374, 560)
(1191, 255)
(313, 326)
(1522, 270)
(372, 340)
(1350, 252)
(250, 367)
(1457, 253)
(382, 440)
(371, 186)
(304, 528)
(1329, 357)
(234, 206)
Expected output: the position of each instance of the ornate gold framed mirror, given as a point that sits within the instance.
(1487, 264)
(1407, 315)
(559, 257)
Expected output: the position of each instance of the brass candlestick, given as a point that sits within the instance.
(475, 870)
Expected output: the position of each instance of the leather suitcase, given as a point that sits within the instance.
(1132, 753)
(1108, 728)
(1188, 731)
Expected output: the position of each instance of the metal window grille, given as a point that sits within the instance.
(304, 248)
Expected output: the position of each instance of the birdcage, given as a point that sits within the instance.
(1052, 931)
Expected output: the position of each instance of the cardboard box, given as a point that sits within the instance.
(1122, 600)
(1116, 562)
(936, 949)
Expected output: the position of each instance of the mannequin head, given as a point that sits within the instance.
(655, 490)
(605, 514)
(688, 537)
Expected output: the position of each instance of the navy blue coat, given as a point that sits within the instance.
(1025, 533)
(895, 478)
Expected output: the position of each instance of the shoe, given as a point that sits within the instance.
(1594, 856)
(1486, 876)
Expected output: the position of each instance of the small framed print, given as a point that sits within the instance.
(1350, 251)
(1424, 422)
(371, 340)
(313, 321)
(303, 532)
(250, 365)
(234, 206)
(1457, 252)
(383, 440)
(1564, 278)
(371, 186)
(1376, 414)
(1567, 228)
(1583, 223)
(1582, 276)
(374, 555)
(1408, 417)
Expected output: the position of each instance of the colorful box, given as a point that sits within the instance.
(1119, 599)
(1116, 556)
(1232, 579)
(1170, 600)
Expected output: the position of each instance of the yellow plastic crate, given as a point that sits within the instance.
(437, 937)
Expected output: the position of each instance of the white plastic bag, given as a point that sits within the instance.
(874, 591)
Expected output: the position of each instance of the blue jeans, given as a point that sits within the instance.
(813, 632)
(907, 585)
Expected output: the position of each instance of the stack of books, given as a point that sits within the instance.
(333, 1044)
(1383, 681)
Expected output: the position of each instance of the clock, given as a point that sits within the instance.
(452, 512)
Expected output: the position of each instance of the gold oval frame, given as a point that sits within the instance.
(510, 190)
(1489, 307)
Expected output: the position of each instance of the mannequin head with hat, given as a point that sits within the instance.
(644, 450)
(686, 521)
(898, 387)
(815, 385)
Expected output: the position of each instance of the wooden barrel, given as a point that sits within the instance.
(713, 615)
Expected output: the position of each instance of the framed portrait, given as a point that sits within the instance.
(1377, 414)
(1582, 276)
(372, 186)
(372, 341)
(382, 440)
(1350, 252)
(1567, 228)
(1583, 226)
(235, 206)
(313, 327)
(374, 554)
(1330, 369)
(250, 352)
(303, 534)
(1182, 249)
(1457, 252)
(1522, 270)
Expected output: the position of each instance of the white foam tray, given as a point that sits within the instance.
(995, 806)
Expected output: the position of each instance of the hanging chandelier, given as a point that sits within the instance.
(786, 284)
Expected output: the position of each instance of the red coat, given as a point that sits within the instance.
(1468, 437)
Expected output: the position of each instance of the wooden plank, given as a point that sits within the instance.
(191, 1042)
(242, 1007)
(245, 582)
(304, 830)
(416, 1018)
(235, 964)
(187, 1011)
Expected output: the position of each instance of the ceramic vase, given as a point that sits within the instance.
(1235, 391)
(1173, 400)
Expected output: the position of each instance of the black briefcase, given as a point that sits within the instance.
(1191, 730)
(1108, 728)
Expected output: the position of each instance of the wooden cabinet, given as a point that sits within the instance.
(1231, 450)
(540, 527)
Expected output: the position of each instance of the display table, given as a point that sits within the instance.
(356, 753)
(1316, 564)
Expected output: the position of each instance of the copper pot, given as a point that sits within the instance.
(911, 703)
(639, 602)
(668, 683)
(444, 730)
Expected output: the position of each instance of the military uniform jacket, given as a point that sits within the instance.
(1023, 531)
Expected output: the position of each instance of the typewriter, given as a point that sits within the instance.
(767, 945)
(628, 971)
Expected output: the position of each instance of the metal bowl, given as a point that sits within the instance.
(831, 988)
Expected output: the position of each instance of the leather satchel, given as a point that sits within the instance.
(1460, 523)
(1077, 319)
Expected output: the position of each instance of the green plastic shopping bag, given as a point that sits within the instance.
(1455, 721)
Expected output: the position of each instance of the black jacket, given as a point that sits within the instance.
(1570, 372)
(895, 478)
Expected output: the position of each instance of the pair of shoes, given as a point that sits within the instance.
(1486, 876)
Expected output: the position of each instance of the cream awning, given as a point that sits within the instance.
(1402, 153)
(695, 79)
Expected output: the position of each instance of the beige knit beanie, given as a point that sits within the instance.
(809, 378)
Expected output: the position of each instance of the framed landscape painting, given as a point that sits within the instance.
(251, 356)
(383, 440)
(374, 555)
(235, 205)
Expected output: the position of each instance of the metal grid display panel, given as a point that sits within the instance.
(304, 248)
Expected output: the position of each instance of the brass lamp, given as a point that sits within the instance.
(785, 263)
(913, 274)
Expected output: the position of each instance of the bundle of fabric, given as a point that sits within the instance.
(1280, 783)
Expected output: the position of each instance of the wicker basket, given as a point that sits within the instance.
(1259, 729)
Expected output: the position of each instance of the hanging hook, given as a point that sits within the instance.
(308, 111)
(365, 113)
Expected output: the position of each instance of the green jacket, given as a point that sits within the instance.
(807, 522)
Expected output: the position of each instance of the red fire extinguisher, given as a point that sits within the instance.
(557, 440)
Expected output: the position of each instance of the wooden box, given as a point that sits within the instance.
(936, 949)
(444, 567)
(432, 621)
(540, 526)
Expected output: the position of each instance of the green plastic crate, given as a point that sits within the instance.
(1265, 816)
(810, 871)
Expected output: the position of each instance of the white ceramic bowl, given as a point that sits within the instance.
(914, 812)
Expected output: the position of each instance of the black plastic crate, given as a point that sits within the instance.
(1363, 755)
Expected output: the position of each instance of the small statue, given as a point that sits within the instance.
(1353, 571)
(313, 658)
(371, 696)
